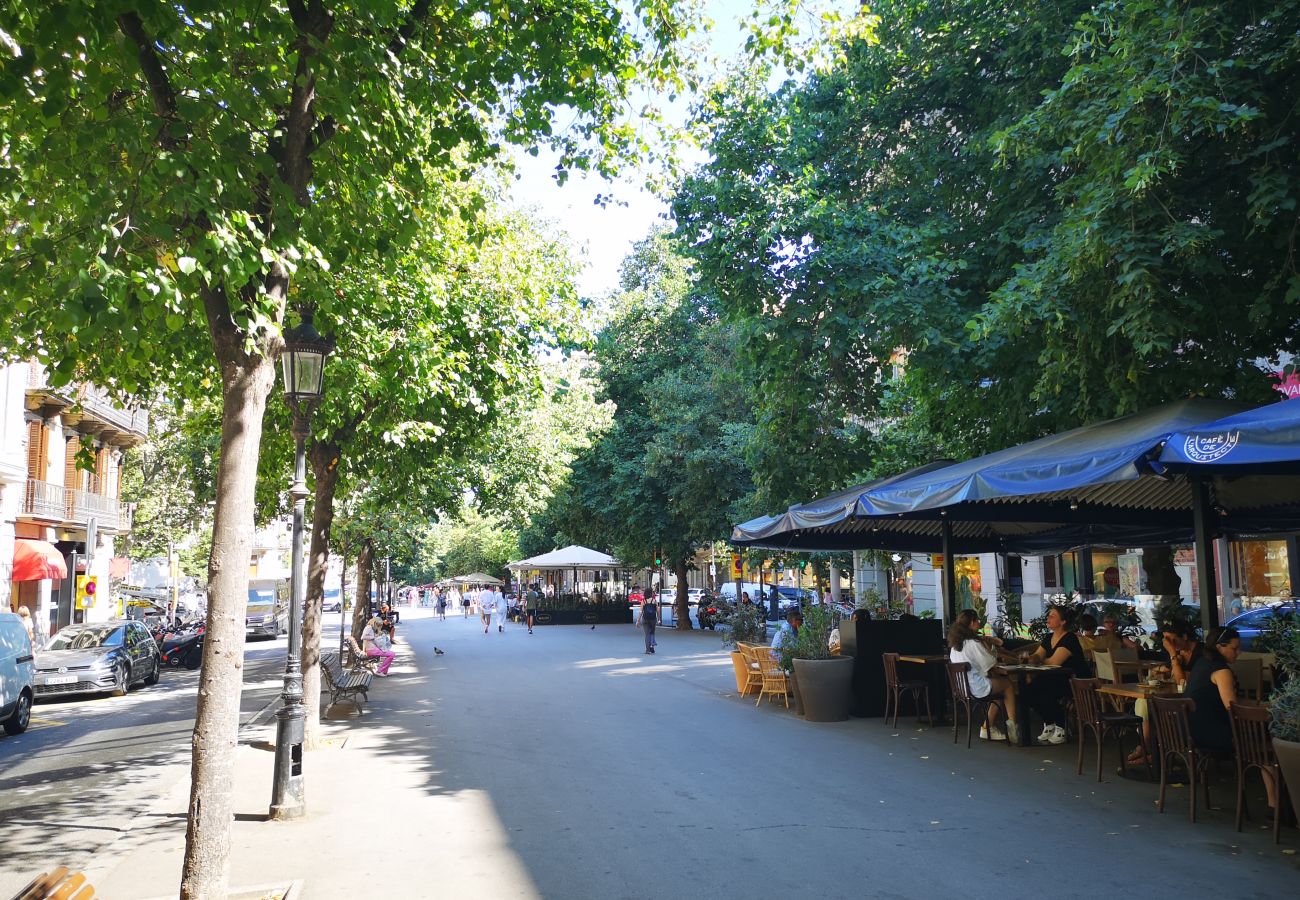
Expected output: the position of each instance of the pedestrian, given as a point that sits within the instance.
(646, 619)
(499, 609)
(464, 601)
(442, 606)
(530, 607)
(29, 626)
(486, 605)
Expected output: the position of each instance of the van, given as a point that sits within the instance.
(17, 674)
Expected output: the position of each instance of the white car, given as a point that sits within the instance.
(17, 674)
(694, 596)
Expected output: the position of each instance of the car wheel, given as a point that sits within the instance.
(155, 674)
(121, 685)
(22, 716)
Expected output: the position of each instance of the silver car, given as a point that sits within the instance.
(266, 619)
(96, 658)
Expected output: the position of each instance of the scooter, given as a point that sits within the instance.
(184, 648)
(710, 613)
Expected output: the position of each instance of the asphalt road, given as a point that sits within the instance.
(90, 765)
(597, 771)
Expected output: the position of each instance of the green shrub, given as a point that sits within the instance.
(746, 623)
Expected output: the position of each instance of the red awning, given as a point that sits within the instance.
(36, 560)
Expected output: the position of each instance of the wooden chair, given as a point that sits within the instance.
(894, 689)
(58, 884)
(1268, 663)
(1087, 710)
(1250, 677)
(1105, 666)
(775, 679)
(1174, 741)
(1254, 748)
(975, 707)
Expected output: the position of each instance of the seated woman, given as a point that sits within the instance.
(966, 644)
(372, 638)
(1213, 686)
(1047, 693)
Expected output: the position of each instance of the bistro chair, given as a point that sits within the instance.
(776, 682)
(1254, 748)
(976, 708)
(754, 675)
(1174, 741)
(1087, 710)
(1268, 664)
(1250, 677)
(894, 689)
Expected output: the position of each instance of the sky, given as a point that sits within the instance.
(602, 236)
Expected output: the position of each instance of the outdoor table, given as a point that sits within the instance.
(1020, 675)
(1141, 666)
(1139, 690)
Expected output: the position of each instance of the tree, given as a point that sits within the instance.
(669, 474)
(170, 169)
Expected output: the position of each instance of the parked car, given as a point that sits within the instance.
(100, 657)
(695, 595)
(17, 674)
(1252, 622)
(636, 596)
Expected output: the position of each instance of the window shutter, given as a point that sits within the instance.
(36, 450)
(71, 477)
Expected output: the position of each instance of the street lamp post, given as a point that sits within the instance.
(303, 365)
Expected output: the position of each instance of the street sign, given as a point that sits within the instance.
(92, 537)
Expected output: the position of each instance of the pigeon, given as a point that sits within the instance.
(437, 651)
(593, 627)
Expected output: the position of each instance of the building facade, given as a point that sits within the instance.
(58, 519)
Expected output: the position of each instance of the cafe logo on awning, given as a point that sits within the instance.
(1212, 447)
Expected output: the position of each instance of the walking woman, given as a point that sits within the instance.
(649, 614)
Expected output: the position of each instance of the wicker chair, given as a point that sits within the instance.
(894, 689)
(1088, 713)
(1254, 749)
(775, 680)
(976, 707)
(1174, 741)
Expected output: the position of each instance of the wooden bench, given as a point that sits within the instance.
(343, 683)
(359, 659)
(59, 884)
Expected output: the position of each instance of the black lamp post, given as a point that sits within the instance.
(303, 365)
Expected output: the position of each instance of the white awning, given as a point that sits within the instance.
(572, 557)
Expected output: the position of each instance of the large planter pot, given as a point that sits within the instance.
(823, 687)
(1288, 757)
(794, 692)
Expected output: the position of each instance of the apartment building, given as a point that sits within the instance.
(58, 520)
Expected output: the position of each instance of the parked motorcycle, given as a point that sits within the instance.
(184, 647)
(712, 612)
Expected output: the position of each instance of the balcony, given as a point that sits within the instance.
(96, 412)
(55, 503)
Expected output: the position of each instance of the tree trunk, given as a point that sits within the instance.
(247, 380)
(361, 608)
(324, 457)
(682, 603)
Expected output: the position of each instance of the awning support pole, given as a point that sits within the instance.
(1204, 545)
(949, 574)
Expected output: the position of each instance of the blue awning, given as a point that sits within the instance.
(1264, 440)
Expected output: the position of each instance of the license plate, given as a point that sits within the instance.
(61, 679)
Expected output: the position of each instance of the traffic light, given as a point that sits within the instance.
(659, 560)
(87, 585)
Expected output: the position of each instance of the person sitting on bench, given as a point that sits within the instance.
(370, 641)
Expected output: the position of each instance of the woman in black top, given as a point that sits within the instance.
(649, 614)
(1211, 684)
(1047, 693)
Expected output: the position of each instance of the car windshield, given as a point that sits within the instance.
(260, 609)
(87, 638)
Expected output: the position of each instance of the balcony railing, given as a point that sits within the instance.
(56, 503)
(45, 501)
(84, 506)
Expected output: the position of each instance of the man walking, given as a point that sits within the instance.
(499, 609)
(486, 606)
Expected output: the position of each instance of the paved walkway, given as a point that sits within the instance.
(567, 764)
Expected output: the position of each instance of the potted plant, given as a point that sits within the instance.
(1282, 638)
(745, 624)
(822, 683)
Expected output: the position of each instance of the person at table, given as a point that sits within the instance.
(1048, 692)
(1184, 649)
(789, 628)
(967, 645)
(1112, 636)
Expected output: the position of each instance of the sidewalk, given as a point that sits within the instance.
(355, 799)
